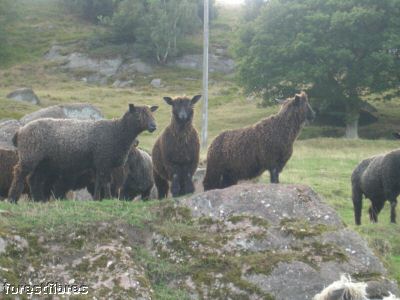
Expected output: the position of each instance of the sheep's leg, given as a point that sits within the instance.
(274, 174)
(357, 204)
(212, 179)
(227, 180)
(97, 188)
(175, 185)
(37, 183)
(161, 184)
(146, 194)
(375, 208)
(188, 184)
(17, 185)
(393, 204)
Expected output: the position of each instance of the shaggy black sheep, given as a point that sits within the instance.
(74, 146)
(176, 151)
(378, 179)
(267, 145)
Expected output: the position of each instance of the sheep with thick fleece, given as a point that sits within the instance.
(376, 178)
(246, 153)
(73, 146)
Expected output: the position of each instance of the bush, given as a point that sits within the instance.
(91, 10)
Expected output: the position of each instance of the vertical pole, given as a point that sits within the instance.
(204, 127)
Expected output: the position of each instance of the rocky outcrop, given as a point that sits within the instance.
(249, 241)
(24, 95)
(100, 71)
(81, 111)
(216, 63)
(304, 243)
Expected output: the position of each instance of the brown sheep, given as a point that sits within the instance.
(73, 146)
(176, 151)
(8, 159)
(267, 145)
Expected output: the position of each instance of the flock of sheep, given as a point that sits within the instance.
(55, 156)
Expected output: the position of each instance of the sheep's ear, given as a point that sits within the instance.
(153, 108)
(297, 99)
(132, 108)
(195, 99)
(135, 142)
(168, 100)
(396, 135)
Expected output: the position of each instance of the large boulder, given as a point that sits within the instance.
(24, 95)
(81, 111)
(280, 241)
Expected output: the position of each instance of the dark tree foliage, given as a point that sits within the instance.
(337, 50)
(91, 10)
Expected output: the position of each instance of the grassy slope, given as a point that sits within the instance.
(324, 164)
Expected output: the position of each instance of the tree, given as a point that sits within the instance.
(168, 20)
(91, 10)
(337, 50)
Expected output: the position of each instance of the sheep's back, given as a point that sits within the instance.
(62, 141)
(140, 170)
(371, 178)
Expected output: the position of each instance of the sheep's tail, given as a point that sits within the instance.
(15, 139)
(344, 289)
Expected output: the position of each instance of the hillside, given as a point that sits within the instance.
(321, 162)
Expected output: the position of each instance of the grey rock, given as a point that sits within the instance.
(156, 82)
(54, 53)
(82, 111)
(3, 245)
(122, 84)
(139, 66)
(198, 177)
(24, 95)
(217, 63)
(82, 62)
(318, 246)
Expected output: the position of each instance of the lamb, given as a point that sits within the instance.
(176, 151)
(72, 146)
(137, 175)
(376, 178)
(267, 145)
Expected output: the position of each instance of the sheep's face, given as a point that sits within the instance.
(182, 108)
(299, 106)
(142, 117)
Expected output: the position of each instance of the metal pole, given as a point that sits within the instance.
(204, 127)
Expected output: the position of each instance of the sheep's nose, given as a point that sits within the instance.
(182, 115)
(152, 127)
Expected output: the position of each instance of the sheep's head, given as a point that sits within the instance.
(299, 106)
(141, 117)
(182, 108)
